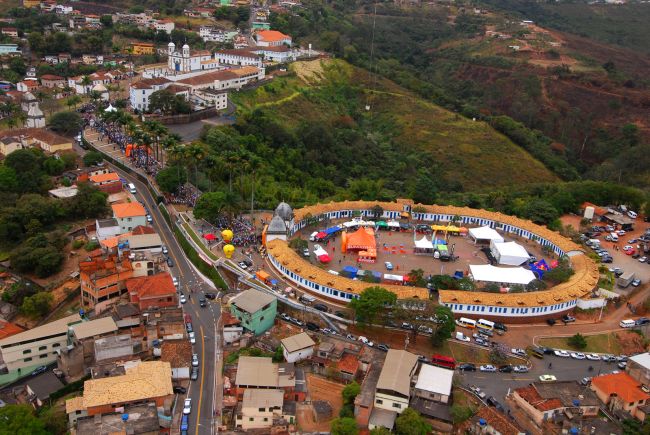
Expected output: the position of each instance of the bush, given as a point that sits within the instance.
(92, 158)
(461, 413)
(66, 122)
(91, 246)
(77, 244)
(578, 341)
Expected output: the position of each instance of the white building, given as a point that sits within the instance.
(259, 408)
(164, 26)
(187, 60)
(393, 389)
(434, 384)
(271, 38)
(280, 54)
(140, 92)
(23, 352)
(297, 347)
(240, 57)
(107, 228)
(211, 34)
(129, 215)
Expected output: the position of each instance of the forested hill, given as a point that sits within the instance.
(577, 105)
(345, 124)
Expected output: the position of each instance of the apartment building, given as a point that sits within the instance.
(103, 281)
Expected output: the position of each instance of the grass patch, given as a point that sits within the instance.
(246, 351)
(198, 241)
(165, 213)
(203, 267)
(600, 343)
(462, 353)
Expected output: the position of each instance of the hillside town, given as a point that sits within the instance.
(166, 267)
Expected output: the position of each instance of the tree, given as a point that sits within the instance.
(8, 179)
(53, 166)
(344, 426)
(55, 420)
(372, 301)
(170, 178)
(20, 420)
(381, 430)
(27, 167)
(73, 101)
(350, 392)
(37, 306)
(66, 122)
(89, 202)
(410, 422)
(460, 413)
(499, 354)
(168, 103)
(210, 206)
(92, 158)
(577, 341)
(425, 190)
(444, 326)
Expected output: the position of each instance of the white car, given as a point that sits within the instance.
(192, 336)
(195, 360)
(562, 353)
(547, 378)
(488, 368)
(187, 406)
(519, 352)
(462, 337)
(365, 341)
(183, 300)
(520, 369)
(388, 265)
(627, 247)
(165, 251)
(149, 218)
(620, 232)
(593, 357)
(643, 259)
(578, 355)
(175, 281)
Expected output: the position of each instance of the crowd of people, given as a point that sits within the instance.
(186, 194)
(141, 157)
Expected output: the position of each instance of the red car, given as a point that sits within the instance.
(630, 252)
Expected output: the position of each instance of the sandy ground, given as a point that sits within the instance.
(320, 389)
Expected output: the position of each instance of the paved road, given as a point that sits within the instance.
(204, 320)
(564, 369)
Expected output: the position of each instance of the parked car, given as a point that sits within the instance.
(187, 406)
(562, 353)
(149, 218)
(192, 337)
(488, 368)
(622, 365)
(482, 342)
(327, 331)
(180, 390)
(593, 357)
(642, 321)
(506, 369)
(39, 370)
(520, 352)
(462, 337)
(165, 251)
(406, 325)
(586, 381)
(188, 327)
(546, 350)
(321, 307)
(350, 337)
(643, 259)
(551, 322)
(388, 265)
(211, 296)
(520, 369)
(183, 300)
(195, 360)
(578, 355)
(636, 283)
(500, 326)
(568, 319)
(476, 390)
(170, 263)
(195, 373)
(383, 347)
(305, 252)
(203, 302)
(547, 378)
(312, 326)
(608, 358)
(467, 367)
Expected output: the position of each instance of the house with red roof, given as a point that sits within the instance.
(154, 291)
(272, 38)
(544, 401)
(109, 183)
(620, 391)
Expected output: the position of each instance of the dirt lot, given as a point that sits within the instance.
(321, 389)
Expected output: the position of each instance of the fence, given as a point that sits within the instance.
(186, 118)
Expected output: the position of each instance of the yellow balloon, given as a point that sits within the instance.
(228, 250)
(227, 235)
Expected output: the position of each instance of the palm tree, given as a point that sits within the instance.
(254, 165)
(158, 131)
(196, 154)
(231, 161)
(85, 82)
(73, 100)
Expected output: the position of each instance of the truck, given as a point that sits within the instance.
(266, 279)
(625, 280)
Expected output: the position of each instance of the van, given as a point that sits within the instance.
(312, 237)
(629, 323)
(132, 188)
(632, 214)
(614, 237)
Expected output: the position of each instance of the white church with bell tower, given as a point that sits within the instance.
(186, 61)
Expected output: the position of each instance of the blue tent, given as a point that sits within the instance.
(377, 275)
(350, 271)
(332, 230)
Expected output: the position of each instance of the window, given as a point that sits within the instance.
(261, 409)
(26, 351)
(397, 405)
(42, 347)
(266, 419)
(379, 401)
(43, 356)
(27, 359)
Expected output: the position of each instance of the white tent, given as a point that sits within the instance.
(485, 234)
(391, 277)
(506, 275)
(510, 253)
(393, 224)
(110, 108)
(423, 243)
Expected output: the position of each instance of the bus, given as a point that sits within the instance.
(443, 361)
(485, 324)
(466, 323)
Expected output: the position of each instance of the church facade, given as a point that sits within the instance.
(186, 61)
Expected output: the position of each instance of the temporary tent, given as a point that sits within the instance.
(390, 277)
(382, 224)
(485, 234)
(423, 246)
(368, 256)
(209, 236)
(322, 255)
(350, 271)
(393, 225)
(332, 230)
(506, 275)
(360, 240)
(510, 253)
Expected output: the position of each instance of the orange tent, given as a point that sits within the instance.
(362, 239)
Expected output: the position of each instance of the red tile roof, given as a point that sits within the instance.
(8, 329)
(103, 178)
(272, 35)
(530, 395)
(621, 384)
(348, 363)
(140, 230)
(151, 286)
(129, 209)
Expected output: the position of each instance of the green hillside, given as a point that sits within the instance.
(398, 139)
